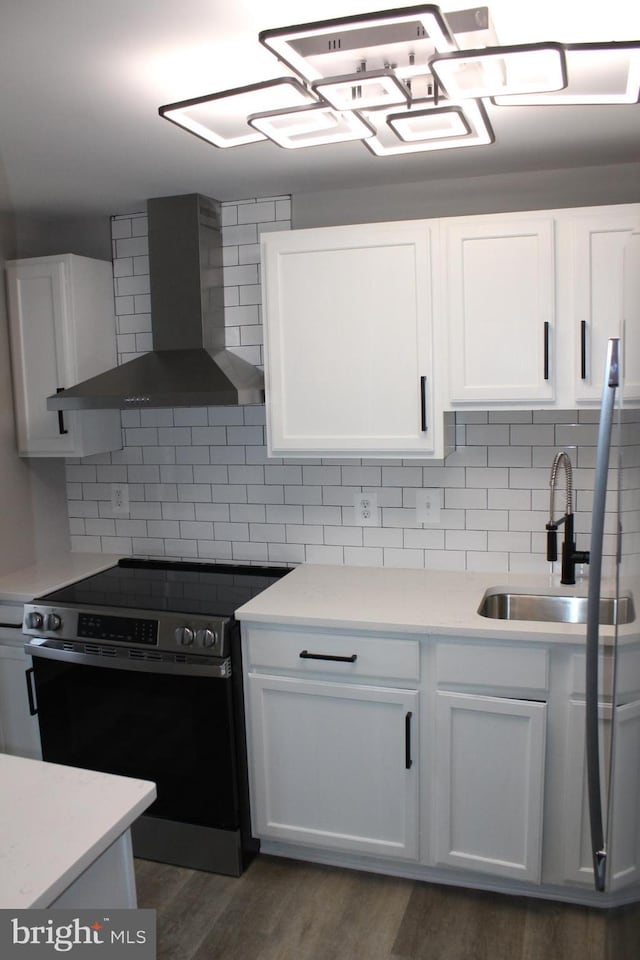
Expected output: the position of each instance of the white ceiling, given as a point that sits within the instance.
(81, 82)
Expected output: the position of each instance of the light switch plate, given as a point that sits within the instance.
(428, 506)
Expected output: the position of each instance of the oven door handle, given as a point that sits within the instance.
(40, 648)
(33, 709)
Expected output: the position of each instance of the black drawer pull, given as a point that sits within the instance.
(305, 655)
(583, 349)
(546, 349)
(61, 427)
(424, 426)
(30, 693)
(408, 762)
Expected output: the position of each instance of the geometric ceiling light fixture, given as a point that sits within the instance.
(220, 118)
(425, 127)
(311, 126)
(405, 81)
(364, 90)
(598, 73)
(432, 123)
(498, 71)
(332, 48)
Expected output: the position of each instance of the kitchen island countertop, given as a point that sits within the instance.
(55, 821)
(418, 602)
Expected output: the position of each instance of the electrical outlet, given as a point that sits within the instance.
(428, 506)
(366, 509)
(120, 499)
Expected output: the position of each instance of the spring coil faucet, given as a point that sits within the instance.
(570, 556)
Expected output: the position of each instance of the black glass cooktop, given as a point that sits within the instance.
(214, 589)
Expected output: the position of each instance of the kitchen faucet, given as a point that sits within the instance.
(570, 556)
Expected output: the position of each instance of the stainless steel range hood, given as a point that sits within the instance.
(190, 365)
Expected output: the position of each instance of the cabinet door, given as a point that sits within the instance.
(500, 306)
(576, 835)
(599, 242)
(19, 733)
(631, 319)
(50, 348)
(490, 760)
(348, 341)
(624, 844)
(39, 353)
(334, 765)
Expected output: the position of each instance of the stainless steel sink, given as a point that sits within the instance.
(500, 605)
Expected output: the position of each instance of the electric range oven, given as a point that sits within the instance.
(137, 671)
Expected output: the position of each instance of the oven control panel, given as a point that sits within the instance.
(168, 631)
(98, 626)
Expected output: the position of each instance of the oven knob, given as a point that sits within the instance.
(184, 636)
(53, 621)
(206, 637)
(35, 620)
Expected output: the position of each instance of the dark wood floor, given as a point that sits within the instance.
(285, 910)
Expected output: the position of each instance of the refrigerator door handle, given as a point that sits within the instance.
(598, 839)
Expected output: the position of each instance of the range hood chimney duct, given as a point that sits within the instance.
(190, 364)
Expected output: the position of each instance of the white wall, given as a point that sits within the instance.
(201, 484)
(535, 190)
(47, 236)
(17, 546)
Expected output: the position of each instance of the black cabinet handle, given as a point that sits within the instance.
(30, 693)
(61, 426)
(305, 655)
(583, 350)
(423, 405)
(408, 762)
(546, 349)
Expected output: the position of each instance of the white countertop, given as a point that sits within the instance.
(55, 821)
(421, 602)
(22, 586)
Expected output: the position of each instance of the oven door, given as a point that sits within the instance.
(143, 720)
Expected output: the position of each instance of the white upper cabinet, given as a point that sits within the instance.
(371, 331)
(631, 317)
(604, 293)
(500, 281)
(349, 341)
(62, 331)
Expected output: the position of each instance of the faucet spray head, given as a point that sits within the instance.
(561, 459)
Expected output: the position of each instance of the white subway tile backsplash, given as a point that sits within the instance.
(324, 554)
(201, 485)
(178, 511)
(393, 557)
(466, 540)
(364, 556)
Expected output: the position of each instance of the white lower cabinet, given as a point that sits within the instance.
(489, 784)
(334, 764)
(459, 759)
(19, 733)
(624, 842)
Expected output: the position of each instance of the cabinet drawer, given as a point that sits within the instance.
(627, 674)
(489, 665)
(304, 651)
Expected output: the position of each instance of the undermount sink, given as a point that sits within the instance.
(502, 605)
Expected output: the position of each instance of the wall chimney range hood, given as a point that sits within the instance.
(190, 365)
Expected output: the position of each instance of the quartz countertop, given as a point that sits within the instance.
(55, 821)
(419, 602)
(23, 585)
